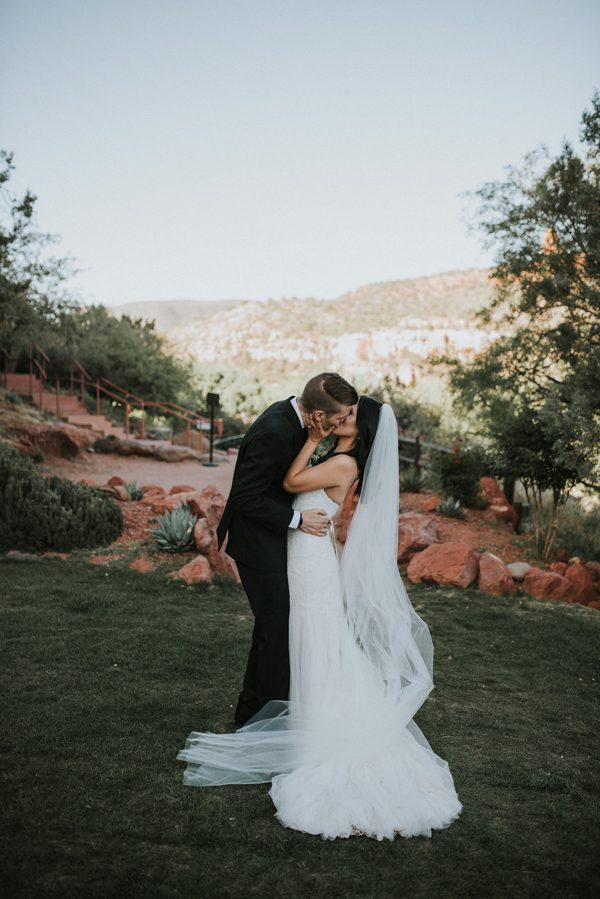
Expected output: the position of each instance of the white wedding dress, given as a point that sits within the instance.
(343, 754)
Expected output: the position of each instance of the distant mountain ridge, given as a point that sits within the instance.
(169, 314)
(431, 296)
(383, 328)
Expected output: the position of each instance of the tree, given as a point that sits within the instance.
(544, 223)
(128, 351)
(31, 281)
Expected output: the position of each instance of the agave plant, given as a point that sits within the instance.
(134, 491)
(411, 480)
(175, 531)
(450, 507)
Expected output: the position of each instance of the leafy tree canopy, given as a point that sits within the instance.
(543, 221)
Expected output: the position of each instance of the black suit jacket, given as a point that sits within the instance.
(258, 511)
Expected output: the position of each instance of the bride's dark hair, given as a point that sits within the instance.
(367, 419)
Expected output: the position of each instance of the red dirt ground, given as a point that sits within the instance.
(139, 519)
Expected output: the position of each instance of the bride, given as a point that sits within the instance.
(343, 754)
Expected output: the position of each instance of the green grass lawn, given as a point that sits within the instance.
(105, 672)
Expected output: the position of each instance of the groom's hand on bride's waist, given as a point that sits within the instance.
(314, 521)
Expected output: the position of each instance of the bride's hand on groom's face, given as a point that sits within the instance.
(315, 428)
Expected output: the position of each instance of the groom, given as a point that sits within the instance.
(257, 517)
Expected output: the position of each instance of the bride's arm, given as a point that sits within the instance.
(337, 472)
(333, 473)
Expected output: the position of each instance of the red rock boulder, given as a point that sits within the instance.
(203, 536)
(498, 504)
(56, 438)
(181, 488)
(583, 585)
(344, 515)
(415, 533)
(594, 570)
(198, 571)
(557, 567)
(494, 576)
(548, 585)
(430, 503)
(223, 564)
(449, 564)
(208, 503)
(116, 481)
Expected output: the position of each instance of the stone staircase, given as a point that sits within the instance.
(70, 407)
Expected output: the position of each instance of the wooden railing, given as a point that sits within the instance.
(80, 382)
(418, 446)
(130, 401)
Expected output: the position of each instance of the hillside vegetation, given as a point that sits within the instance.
(379, 329)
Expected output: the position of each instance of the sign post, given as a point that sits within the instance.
(212, 400)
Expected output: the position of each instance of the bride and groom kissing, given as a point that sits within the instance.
(339, 662)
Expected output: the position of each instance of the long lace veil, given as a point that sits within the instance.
(387, 628)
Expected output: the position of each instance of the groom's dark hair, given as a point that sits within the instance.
(327, 392)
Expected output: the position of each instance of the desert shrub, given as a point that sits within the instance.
(450, 507)
(578, 531)
(459, 474)
(175, 531)
(38, 513)
(411, 480)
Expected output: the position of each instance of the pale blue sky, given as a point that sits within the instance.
(260, 148)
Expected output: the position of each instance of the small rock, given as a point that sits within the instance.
(518, 570)
(181, 488)
(19, 556)
(557, 567)
(116, 481)
(142, 565)
(121, 493)
(198, 571)
(100, 560)
(155, 489)
(174, 453)
(431, 503)
(494, 576)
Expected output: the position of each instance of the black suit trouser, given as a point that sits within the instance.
(268, 669)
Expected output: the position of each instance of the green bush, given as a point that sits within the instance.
(411, 480)
(38, 513)
(459, 474)
(578, 531)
